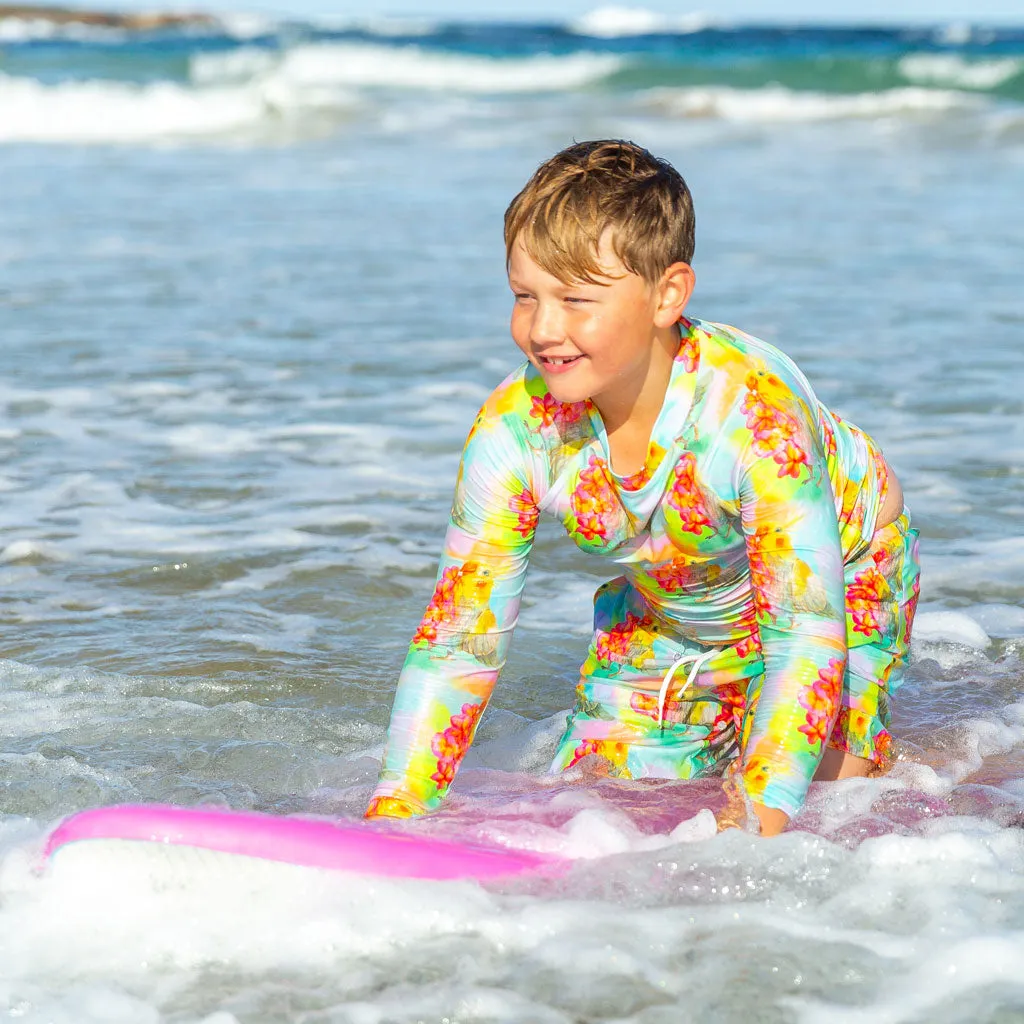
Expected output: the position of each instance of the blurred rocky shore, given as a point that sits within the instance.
(141, 21)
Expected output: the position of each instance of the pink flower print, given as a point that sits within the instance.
(637, 480)
(689, 350)
(674, 576)
(613, 752)
(551, 412)
(655, 453)
(441, 606)
(646, 704)
(523, 505)
(621, 642)
(749, 645)
(774, 430)
(829, 437)
(589, 526)
(444, 775)
(685, 495)
(820, 700)
(761, 576)
(866, 621)
(734, 702)
(881, 473)
(640, 477)
(864, 598)
(747, 623)
(911, 607)
(594, 502)
(450, 746)
(883, 748)
(793, 457)
(463, 590)
(544, 408)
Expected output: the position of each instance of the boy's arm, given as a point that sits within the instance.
(796, 568)
(462, 641)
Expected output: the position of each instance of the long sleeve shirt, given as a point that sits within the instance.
(735, 532)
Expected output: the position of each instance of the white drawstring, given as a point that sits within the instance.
(698, 662)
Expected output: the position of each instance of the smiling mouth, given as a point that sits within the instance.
(558, 363)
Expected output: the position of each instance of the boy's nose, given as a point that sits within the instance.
(547, 324)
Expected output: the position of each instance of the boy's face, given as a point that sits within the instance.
(588, 340)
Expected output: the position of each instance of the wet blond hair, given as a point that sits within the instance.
(589, 187)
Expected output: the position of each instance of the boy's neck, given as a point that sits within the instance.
(629, 415)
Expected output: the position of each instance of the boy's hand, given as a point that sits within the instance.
(772, 820)
(738, 805)
(391, 807)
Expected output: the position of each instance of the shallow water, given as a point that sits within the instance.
(244, 334)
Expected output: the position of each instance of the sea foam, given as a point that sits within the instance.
(615, 22)
(952, 70)
(26, 30)
(106, 111)
(250, 91)
(407, 67)
(779, 104)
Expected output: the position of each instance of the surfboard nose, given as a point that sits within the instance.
(369, 848)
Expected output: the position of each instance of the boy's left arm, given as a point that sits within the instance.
(796, 568)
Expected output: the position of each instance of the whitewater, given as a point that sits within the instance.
(251, 296)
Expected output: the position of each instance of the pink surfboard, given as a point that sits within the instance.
(336, 845)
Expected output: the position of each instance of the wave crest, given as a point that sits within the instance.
(103, 111)
(777, 104)
(621, 22)
(19, 29)
(406, 67)
(952, 70)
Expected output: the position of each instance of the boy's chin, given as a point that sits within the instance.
(567, 395)
(567, 392)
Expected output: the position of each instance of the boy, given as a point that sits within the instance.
(769, 571)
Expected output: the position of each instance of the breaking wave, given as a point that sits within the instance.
(775, 103)
(950, 69)
(622, 22)
(251, 90)
(103, 111)
(248, 77)
(407, 67)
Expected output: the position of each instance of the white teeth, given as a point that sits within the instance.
(559, 362)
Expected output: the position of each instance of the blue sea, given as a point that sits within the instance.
(252, 294)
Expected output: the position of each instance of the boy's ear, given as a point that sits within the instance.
(674, 293)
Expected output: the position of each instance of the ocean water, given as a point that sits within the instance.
(251, 296)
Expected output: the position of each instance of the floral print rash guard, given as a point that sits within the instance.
(730, 543)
